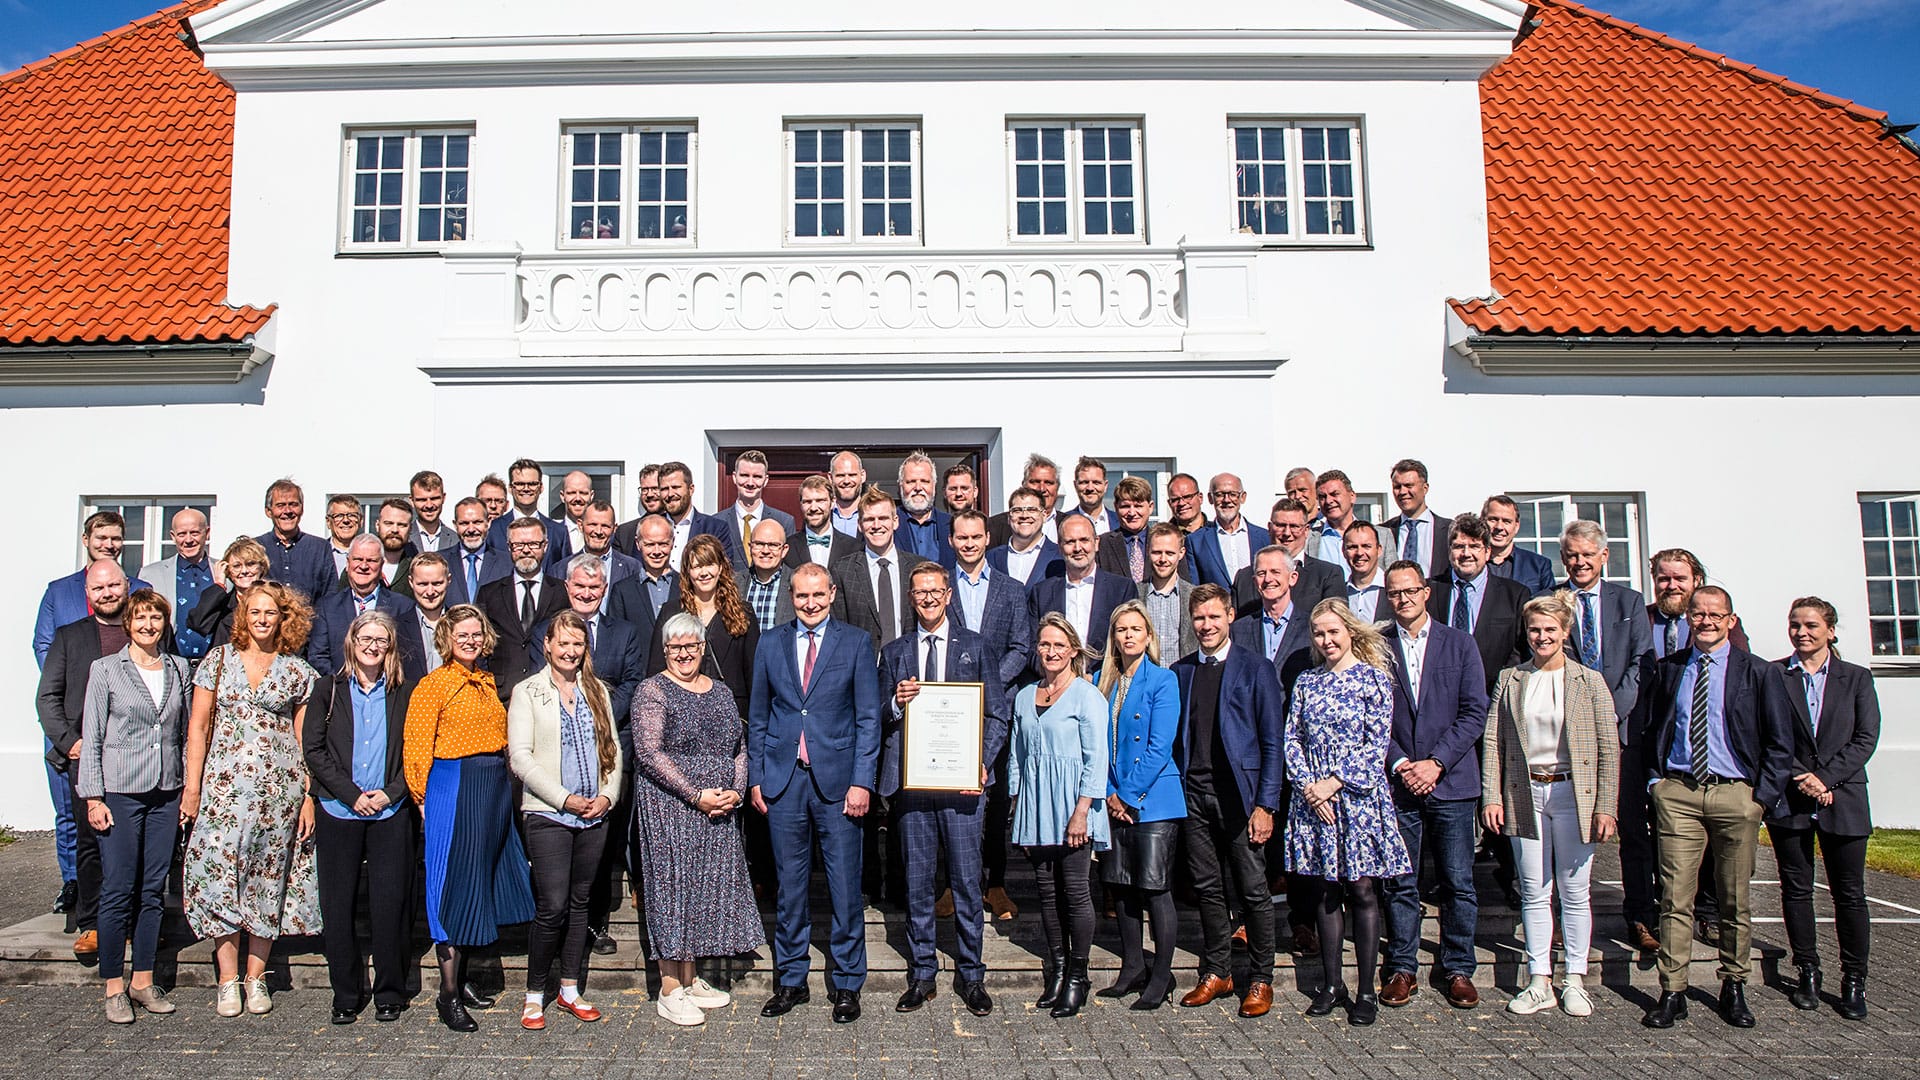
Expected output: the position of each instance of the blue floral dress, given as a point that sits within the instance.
(1339, 725)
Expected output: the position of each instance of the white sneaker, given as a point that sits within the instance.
(703, 994)
(679, 1008)
(1574, 1000)
(1537, 997)
(226, 1000)
(259, 998)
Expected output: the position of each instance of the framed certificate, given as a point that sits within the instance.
(940, 744)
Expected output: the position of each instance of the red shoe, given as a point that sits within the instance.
(533, 1017)
(581, 1011)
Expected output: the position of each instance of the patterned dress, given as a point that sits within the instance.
(244, 867)
(1339, 726)
(693, 869)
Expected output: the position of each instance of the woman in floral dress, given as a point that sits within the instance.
(1341, 824)
(249, 862)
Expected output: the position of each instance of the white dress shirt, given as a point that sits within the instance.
(1079, 604)
(1020, 563)
(1233, 548)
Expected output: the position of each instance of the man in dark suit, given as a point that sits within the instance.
(923, 527)
(1419, 534)
(870, 587)
(431, 581)
(524, 482)
(767, 586)
(813, 747)
(1083, 594)
(939, 651)
(1716, 733)
(992, 604)
(1219, 550)
(639, 599)
(427, 494)
(1041, 477)
(818, 542)
(596, 539)
(1468, 598)
(327, 641)
(1026, 555)
(1315, 580)
(1531, 569)
(471, 561)
(1439, 713)
(676, 502)
(619, 661)
(748, 509)
(516, 604)
(1090, 491)
(61, 704)
(392, 523)
(1610, 634)
(1230, 757)
(1123, 548)
(1165, 592)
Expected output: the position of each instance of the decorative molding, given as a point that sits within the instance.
(135, 364)
(1719, 356)
(820, 369)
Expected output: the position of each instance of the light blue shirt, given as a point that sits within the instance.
(973, 595)
(845, 524)
(1272, 630)
(1720, 759)
(369, 749)
(1815, 685)
(1364, 600)
(658, 589)
(1329, 543)
(579, 759)
(1476, 592)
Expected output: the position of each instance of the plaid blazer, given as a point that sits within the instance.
(1593, 745)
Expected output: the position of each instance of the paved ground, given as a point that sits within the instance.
(55, 1032)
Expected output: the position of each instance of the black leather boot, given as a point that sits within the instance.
(453, 1013)
(1853, 997)
(1073, 992)
(1806, 995)
(1053, 969)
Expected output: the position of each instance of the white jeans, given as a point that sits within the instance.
(1570, 859)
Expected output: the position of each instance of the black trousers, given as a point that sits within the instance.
(615, 858)
(86, 853)
(1215, 833)
(565, 862)
(387, 849)
(1064, 877)
(993, 845)
(1846, 859)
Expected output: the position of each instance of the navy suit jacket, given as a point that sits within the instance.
(1531, 569)
(936, 544)
(1626, 638)
(1047, 564)
(327, 650)
(494, 565)
(1500, 632)
(1450, 717)
(1249, 722)
(1208, 566)
(65, 601)
(1316, 581)
(559, 540)
(1294, 655)
(1007, 626)
(724, 528)
(1441, 559)
(627, 601)
(966, 661)
(1837, 754)
(839, 711)
(619, 661)
(1109, 592)
(1756, 713)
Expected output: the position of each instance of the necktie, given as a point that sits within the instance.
(1589, 632)
(1136, 558)
(1410, 544)
(746, 531)
(591, 623)
(362, 603)
(473, 576)
(1673, 637)
(930, 669)
(526, 605)
(1697, 723)
(885, 603)
(1462, 612)
(806, 676)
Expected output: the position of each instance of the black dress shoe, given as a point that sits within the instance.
(1806, 994)
(784, 999)
(603, 943)
(1853, 997)
(1124, 984)
(1328, 999)
(919, 992)
(472, 998)
(1672, 1006)
(453, 1013)
(1152, 997)
(847, 1009)
(1733, 1004)
(1366, 1009)
(66, 899)
(387, 1014)
(345, 1016)
(974, 996)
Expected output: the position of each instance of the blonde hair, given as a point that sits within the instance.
(1110, 668)
(1369, 647)
(1078, 654)
(454, 616)
(1556, 605)
(384, 621)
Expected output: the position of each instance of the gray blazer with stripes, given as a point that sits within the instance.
(129, 745)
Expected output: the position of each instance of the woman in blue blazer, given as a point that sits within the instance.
(1836, 725)
(1145, 802)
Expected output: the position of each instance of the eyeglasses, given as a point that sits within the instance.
(692, 649)
(470, 639)
(526, 485)
(378, 644)
(1195, 497)
(343, 517)
(1404, 594)
(767, 545)
(1023, 511)
(1225, 496)
(528, 545)
(1710, 617)
(928, 594)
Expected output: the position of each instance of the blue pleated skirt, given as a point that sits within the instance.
(477, 877)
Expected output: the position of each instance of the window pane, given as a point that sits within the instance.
(650, 148)
(873, 182)
(430, 187)
(900, 219)
(873, 219)
(648, 183)
(1873, 517)
(804, 221)
(1056, 218)
(833, 182)
(1880, 598)
(833, 146)
(1026, 217)
(1053, 181)
(806, 183)
(1096, 219)
(1094, 181)
(457, 151)
(646, 222)
(433, 152)
(677, 185)
(1123, 219)
(1901, 515)
(390, 189)
(1120, 144)
(1879, 559)
(1026, 182)
(1026, 144)
(833, 220)
(677, 146)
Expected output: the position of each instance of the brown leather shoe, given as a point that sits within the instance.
(1211, 987)
(1258, 1000)
(87, 944)
(1240, 936)
(1398, 989)
(1643, 938)
(1461, 993)
(999, 905)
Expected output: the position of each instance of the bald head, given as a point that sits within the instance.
(654, 538)
(576, 492)
(106, 590)
(188, 530)
(768, 546)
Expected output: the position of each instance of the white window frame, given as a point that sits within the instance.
(410, 189)
(369, 510)
(1896, 605)
(155, 526)
(612, 473)
(853, 161)
(630, 136)
(1371, 506)
(1075, 191)
(1626, 541)
(1158, 472)
(1295, 174)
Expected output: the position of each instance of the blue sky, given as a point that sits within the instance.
(1868, 50)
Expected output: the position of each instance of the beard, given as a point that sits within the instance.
(526, 567)
(917, 504)
(1672, 605)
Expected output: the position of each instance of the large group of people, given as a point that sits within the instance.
(495, 717)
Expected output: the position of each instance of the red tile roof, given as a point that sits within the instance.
(116, 162)
(1641, 185)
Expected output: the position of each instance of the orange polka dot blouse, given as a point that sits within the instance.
(455, 713)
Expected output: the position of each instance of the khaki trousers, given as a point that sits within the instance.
(1687, 815)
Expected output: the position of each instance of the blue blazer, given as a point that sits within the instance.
(1756, 713)
(1048, 564)
(65, 601)
(1837, 753)
(1626, 637)
(559, 541)
(966, 661)
(1529, 568)
(1109, 592)
(1250, 723)
(1007, 627)
(839, 710)
(619, 661)
(1451, 716)
(1206, 563)
(1140, 768)
(333, 613)
(723, 528)
(494, 565)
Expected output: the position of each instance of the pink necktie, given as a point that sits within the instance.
(806, 676)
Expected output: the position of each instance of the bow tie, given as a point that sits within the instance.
(819, 541)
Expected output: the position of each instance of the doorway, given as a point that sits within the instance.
(787, 466)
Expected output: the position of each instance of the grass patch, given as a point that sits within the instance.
(1890, 851)
(6, 836)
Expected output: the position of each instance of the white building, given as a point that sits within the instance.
(1198, 238)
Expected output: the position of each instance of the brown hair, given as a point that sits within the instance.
(817, 482)
(1681, 555)
(873, 496)
(426, 480)
(705, 550)
(454, 616)
(296, 617)
(596, 691)
(148, 600)
(1132, 489)
(1825, 610)
(1209, 593)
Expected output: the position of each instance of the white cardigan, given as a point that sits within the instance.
(533, 746)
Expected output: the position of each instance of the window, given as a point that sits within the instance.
(1890, 530)
(1297, 180)
(370, 509)
(1076, 180)
(405, 189)
(1542, 517)
(854, 182)
(1371, 506)
(1155, 471)
(629, 184)
(149, 525)
(606, 483)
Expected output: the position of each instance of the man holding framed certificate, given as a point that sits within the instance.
(942, 729)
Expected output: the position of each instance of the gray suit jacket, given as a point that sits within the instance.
(128, 745)
(782, 597)
(1626, 637)
(853, 601)
(1182, 588)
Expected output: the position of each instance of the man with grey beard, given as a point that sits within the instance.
(923, 529)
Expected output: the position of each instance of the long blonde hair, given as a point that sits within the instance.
(1369, 647)
(1111, 667)
(597, 701)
